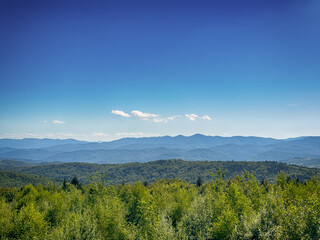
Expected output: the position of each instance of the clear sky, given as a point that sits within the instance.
(102, 70)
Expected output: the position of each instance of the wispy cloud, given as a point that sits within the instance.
(191, 116)
(120, 113)
(165, 119)
(206, 117)
(174, 117)
(140, 114)
(156, 118)
(194, 117)
(58, 122)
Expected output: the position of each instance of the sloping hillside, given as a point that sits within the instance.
(151, 171)
(15, 179)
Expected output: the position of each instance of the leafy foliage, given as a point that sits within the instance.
(237, 208)
(152, 171)
(14, 179)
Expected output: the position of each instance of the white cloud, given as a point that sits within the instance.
(58, 122)
(193, 117)
(158, 120)
(139, 114)
(120, 113)
(206, 117)
(100, 134)
(174, 117)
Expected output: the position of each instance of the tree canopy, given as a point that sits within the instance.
(240, 207)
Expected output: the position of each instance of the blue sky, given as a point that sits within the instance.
(76, 68)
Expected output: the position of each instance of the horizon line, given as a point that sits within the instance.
(159, 136)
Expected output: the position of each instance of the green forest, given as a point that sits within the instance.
(18, 173)
(239, 207)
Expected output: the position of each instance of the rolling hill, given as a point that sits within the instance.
(14, 179)
(151, 171)
(193, 148)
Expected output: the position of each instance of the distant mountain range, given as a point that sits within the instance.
(35, 142)
(304, 151)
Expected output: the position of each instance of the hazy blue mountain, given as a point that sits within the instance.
(181, 142)
(116, 156)
(35, 142)
(307, 144)
(204, 154)
(32, 154)
(6, 149)
(141, 155)
(308, 147)
(193, 148)
(274, 155)
(241, 152)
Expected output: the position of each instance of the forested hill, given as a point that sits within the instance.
(14, 179)
(151, 171)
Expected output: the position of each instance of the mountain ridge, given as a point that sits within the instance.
(191, 148)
